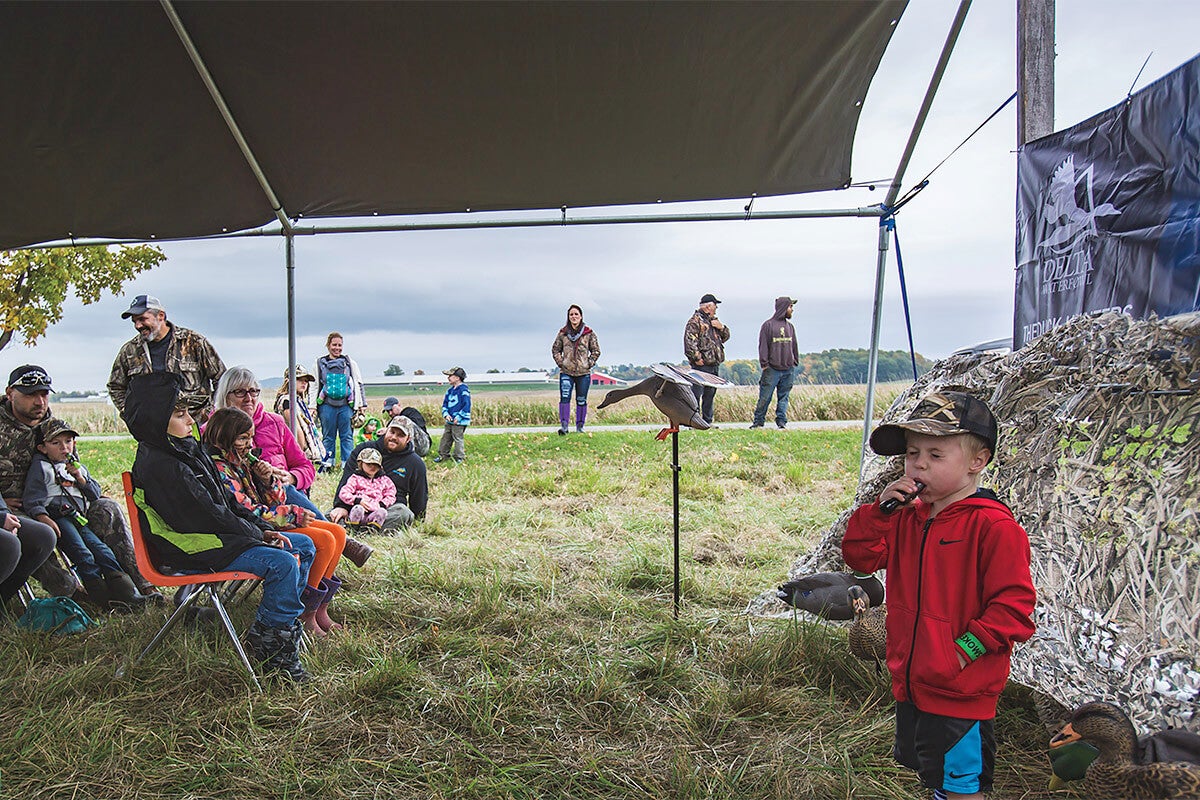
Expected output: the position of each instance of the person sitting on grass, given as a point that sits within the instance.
(193, 525)
(59, 486)
(229, 438)
(367, 432)
(402, 466)
(456, 411)
(368, 491)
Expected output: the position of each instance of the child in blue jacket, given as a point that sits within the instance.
(456, 411)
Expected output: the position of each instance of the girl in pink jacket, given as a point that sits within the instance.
(368, 491)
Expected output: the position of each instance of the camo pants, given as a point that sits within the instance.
(106, 519)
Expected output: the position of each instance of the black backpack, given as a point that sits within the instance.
(416, 417)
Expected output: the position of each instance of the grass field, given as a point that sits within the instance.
(518, 643)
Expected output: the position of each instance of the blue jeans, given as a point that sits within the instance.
(298, 498)
(774, 381)
(335, 424)
(580, 383)
(283, 578)
(89, 554)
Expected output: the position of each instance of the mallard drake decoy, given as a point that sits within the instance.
(670, 389)
(868, 634)
(1115, 772)
(824, 593)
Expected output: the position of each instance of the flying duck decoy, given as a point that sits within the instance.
(1115, 772)
(670, 389)
(825, 593)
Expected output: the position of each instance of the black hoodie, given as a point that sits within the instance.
(777, 346)
(204, 528)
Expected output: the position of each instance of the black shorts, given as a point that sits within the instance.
(956, 755)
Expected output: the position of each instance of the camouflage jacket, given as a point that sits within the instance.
(189, 355)
(16, 451)
(702, 341)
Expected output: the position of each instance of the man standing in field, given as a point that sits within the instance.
(704, 339)
(778, 355)
(162, 346)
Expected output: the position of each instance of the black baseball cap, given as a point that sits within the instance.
(29, 378)
(939, 414)
(141, 304)
(389, 402)
(459, 371)
(709, 298)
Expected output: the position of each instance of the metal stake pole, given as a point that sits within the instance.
(675, 481)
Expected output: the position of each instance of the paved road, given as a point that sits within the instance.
(474, 430)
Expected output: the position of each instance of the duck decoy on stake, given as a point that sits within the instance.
(670, 389)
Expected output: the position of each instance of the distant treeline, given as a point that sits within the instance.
(828, 366)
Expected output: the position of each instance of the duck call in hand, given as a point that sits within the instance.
(892, 503)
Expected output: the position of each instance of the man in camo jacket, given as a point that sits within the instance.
(162, 346)
(25, 406)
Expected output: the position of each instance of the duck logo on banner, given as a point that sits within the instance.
(1066, 226)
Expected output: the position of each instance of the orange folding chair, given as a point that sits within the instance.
(206, 584)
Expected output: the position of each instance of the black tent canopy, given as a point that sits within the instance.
(352, 109)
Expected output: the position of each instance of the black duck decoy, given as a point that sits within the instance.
(670, 389)
(825, 593)
(1116, 772)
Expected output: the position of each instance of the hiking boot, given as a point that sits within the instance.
(781, 425)
(755, 425)
(122, 594)
(97, 593)
(562, 431)
(278, 650)
(358, 552)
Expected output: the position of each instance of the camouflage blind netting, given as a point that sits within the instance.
(1099, 458)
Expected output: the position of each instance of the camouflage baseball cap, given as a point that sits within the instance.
(51, 428)
(370, 455)
(938, 414)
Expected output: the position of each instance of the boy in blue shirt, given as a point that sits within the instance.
(456, 411)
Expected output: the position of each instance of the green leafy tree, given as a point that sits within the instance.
(393, 369)
(34, 283)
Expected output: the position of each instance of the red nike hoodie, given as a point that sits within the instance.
(964, 571)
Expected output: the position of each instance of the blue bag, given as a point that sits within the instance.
(55, 615)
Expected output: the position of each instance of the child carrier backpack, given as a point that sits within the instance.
(337, 379)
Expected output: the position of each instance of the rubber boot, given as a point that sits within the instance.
(358, 552)
(97, 593)
(122, 594)
(580, 416)
(277, 650)
(312, 597)
(564, 418)
(323, 619)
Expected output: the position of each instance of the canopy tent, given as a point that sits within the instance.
(356, 109)
(137, 121)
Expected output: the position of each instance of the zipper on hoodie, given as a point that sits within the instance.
(912, 642)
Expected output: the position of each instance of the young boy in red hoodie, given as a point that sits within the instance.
(959, 594)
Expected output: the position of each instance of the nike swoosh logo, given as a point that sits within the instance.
(949, 541)
(956, 776)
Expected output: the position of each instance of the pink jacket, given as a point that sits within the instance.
(279, 447)
(377, 492)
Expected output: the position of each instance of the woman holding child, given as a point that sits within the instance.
(175, 478)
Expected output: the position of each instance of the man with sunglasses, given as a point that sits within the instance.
(162, 346)
(26, 403)
(25, 407)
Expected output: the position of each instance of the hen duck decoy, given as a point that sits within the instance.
(1115, 772)
(670, 389)
(825, 593)
(868, 634)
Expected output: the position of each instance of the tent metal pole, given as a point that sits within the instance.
(893, 192)
(290, 257)
(316, 230)
(226, 114)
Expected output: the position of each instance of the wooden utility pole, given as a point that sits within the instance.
(1035, 69)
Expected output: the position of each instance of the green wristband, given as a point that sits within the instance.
(858, 574)
(970, 644)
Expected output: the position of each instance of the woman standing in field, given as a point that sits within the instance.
(339, 393)
(576, 351)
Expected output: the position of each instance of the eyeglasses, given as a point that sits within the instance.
(242, 394)
(34, 378)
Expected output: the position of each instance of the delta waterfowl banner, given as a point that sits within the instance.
(1108, 211)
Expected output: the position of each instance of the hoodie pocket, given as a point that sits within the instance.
(935, 659)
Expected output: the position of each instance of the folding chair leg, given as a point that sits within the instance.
(233, 637)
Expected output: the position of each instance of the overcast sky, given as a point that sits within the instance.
(495, 298)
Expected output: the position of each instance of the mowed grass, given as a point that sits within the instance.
(519, 643)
